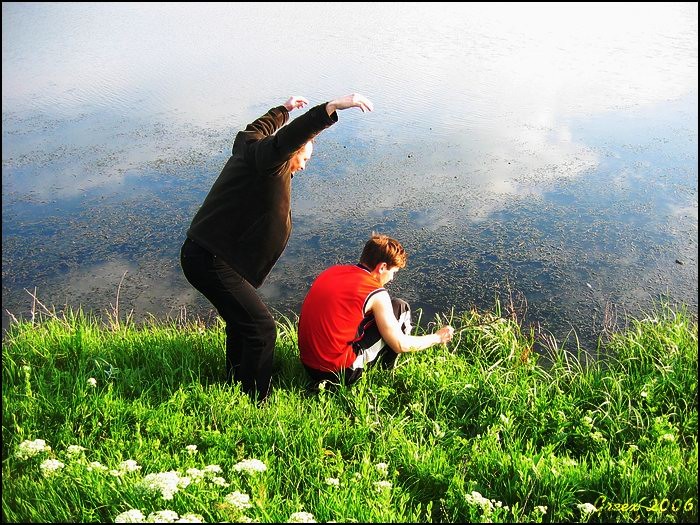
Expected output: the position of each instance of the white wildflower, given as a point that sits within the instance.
(196, 475)
(129, 466)
(477, 499)
(382, 468)
(218, 480)
(586, 508)
(301, 517)
(597, 436)
(191, 449)
(92, 382)
(116, 473)
(250, 466)
(505, 420)
(74, 450)
(191, 518)
(28, 449)
(167, 483)
(96, 465)
(542, 509)
(382, 485)
(162, 516)
(333, 482)
(130, 516)
(644, 393)
(213, 469)
(667, 437)
(50, 466)
(238, 500)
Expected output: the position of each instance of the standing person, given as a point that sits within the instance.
(348, 320)
(243, 226)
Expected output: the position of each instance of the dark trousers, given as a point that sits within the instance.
(251, 331)
(369, 348)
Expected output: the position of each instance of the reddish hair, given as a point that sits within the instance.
(381, 248)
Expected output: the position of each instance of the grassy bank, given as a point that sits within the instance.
(135, 421)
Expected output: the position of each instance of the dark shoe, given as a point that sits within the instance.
(388, 359)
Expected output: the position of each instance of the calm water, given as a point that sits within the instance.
(545, 149)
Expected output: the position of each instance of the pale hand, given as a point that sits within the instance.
(354, 100)
(295, 102)
(445, 334)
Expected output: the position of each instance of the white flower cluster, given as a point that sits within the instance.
(301, 517)
(238, 500)
(92, 382)
(28, 449)
(207, 473)
(598, 437)
(161, 516)
(586, 508)
(334, 482)
(96, 465)
(250, 466)
(213, 469)
(74, 450)
(382, 468)
(124, 468)
(167, 483)
(130, 516)
(51, 466)
(191, 449)
(475, 498)
(382, 485)
(129, 466)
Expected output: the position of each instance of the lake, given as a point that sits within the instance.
(541, 153)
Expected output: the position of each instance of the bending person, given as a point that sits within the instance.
(243, 226)
(348, 320)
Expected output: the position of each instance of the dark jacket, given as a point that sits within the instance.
(246, 218)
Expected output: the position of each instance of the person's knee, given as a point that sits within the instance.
(400, 307)
(402, 312)
(268, 330)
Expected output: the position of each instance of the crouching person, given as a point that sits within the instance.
(348, 321)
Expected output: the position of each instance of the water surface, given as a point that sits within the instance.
(544, 152)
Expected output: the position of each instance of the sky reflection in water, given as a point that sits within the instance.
(550, 149)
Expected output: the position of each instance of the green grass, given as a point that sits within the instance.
(484, 429)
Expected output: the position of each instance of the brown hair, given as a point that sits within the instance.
(381, 248)
(312, 140)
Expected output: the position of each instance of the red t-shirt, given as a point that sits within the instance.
(331, 314)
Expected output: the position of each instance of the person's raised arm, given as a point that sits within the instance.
(288, 139)
(389, 328)
(354, 100)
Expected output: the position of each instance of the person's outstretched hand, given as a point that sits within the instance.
(445, 334)
(295, 102)
(354, 100)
